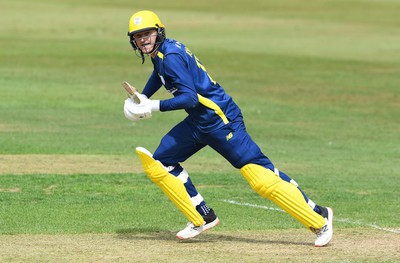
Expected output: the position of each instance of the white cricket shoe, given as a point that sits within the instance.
(210, 221)
(325, 233)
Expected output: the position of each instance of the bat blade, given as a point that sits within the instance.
(132, 91)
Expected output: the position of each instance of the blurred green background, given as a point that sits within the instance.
(318, 83)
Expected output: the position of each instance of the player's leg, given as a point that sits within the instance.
(175, 147)
(170, 185)
(325, 212)
(243, 153)
(210, 218)
(196, 198)
(286, 178)
(325, 233)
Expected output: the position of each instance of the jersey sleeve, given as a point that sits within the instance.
(153, 84)
(177, 72)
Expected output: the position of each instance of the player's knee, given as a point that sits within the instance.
(262, 180)
(156, 172)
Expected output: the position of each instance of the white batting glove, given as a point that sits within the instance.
(134, 111)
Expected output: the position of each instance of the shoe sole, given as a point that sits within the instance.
(330, 219)
(206, 227)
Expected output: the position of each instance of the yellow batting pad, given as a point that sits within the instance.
(286, 195)
(170, 185)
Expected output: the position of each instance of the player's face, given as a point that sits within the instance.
(146, 40)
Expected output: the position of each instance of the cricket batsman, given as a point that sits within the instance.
(214, 120)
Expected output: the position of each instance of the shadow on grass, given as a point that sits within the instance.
(162, 235)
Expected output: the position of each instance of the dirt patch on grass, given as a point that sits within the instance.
(67, 164)
(91, 164)
(348, 245)
(10, 190)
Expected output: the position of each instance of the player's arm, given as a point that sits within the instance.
(153, 85)
(177, 72)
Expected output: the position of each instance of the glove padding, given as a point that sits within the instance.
(134, 111)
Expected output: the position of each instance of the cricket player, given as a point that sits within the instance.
(213, 120)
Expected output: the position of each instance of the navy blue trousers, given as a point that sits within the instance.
(232, 141)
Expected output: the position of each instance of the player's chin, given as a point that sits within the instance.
(147, 49)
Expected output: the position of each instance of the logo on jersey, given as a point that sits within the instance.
(172, 90)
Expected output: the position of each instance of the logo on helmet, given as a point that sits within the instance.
(137, 20)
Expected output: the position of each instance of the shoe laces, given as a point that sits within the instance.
(192, 226)
(320, 231)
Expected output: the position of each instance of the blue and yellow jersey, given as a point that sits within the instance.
(183, 75)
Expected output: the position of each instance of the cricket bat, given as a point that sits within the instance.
(132, 91)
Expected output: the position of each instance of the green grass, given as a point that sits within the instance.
(318, 83)
(130, 203)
